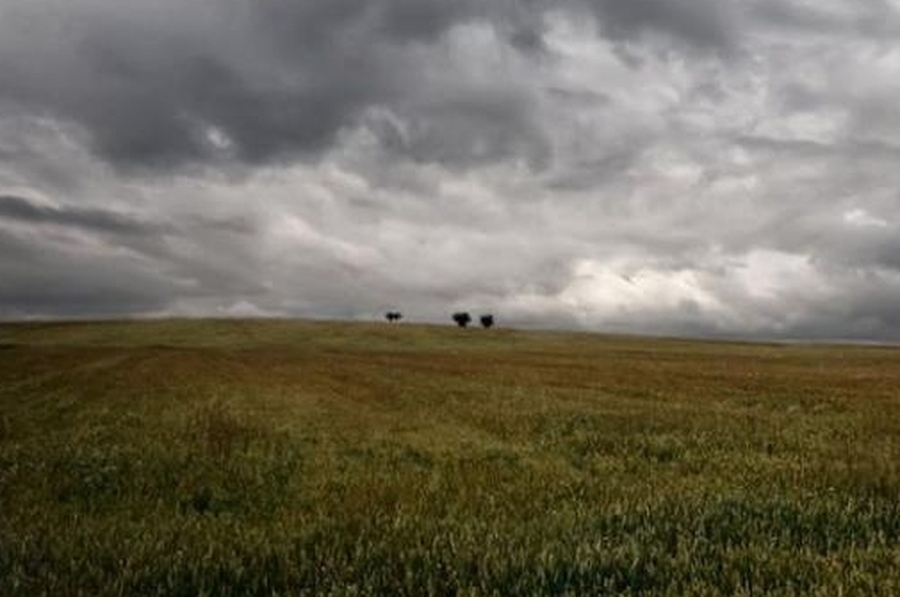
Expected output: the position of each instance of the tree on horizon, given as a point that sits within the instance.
(462, 318)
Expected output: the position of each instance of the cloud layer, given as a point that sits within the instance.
(656, 166)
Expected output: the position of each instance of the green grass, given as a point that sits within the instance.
(294, 458)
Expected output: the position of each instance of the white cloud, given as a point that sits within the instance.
(861, 218)
(602, 290)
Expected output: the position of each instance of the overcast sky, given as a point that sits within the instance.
(701, 167)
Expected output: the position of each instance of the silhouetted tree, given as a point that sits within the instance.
(393, 316)
(487, 321)
(462, 319)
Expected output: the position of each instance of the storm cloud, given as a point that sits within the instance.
(656, 166)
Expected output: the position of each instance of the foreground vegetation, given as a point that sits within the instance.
(291, 458)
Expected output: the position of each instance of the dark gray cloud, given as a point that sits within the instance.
(17, 208)
(160, 86)
(69, 260)
(153, 95)
(705, 24)
(661, 166)
(465, 131)
(163, 85)
(47, 279)
(867, 18)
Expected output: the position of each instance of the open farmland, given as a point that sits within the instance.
(294, 458)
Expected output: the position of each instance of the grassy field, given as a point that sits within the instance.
(294, 458)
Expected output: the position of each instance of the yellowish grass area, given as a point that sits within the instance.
(285, 457)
